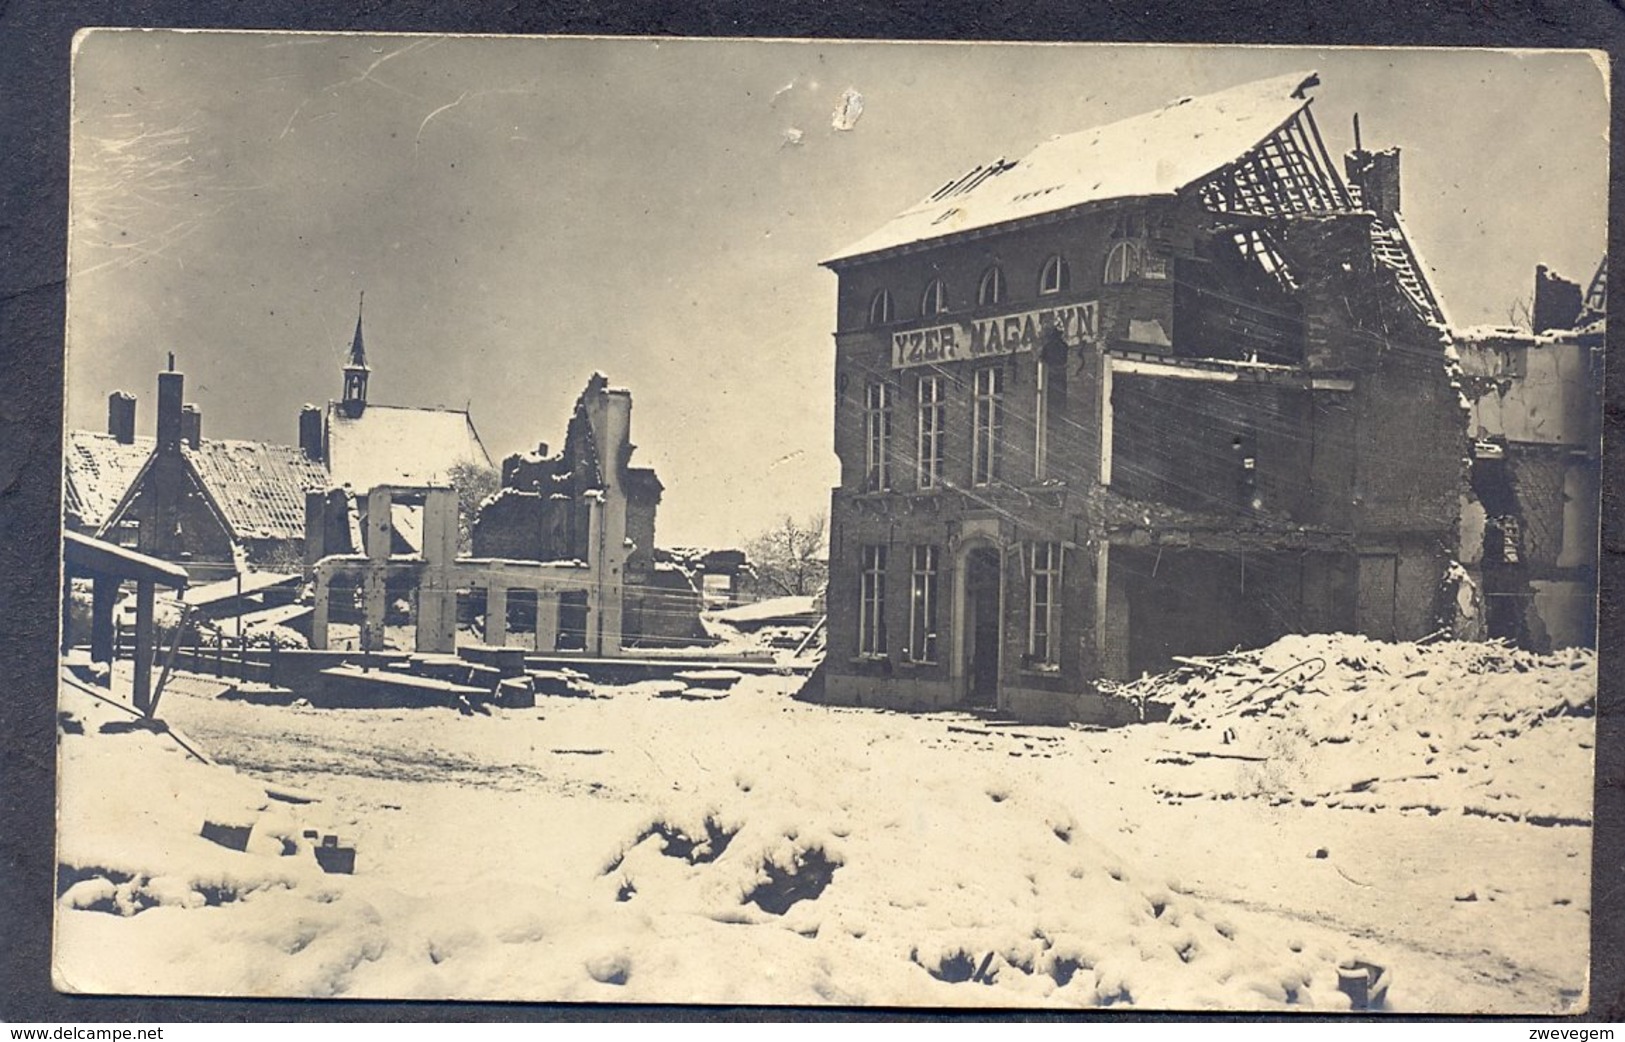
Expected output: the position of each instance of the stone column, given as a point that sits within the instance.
(142, 688)
(547, 621)
(496, 614)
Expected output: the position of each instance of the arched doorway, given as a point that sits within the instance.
(983, 623)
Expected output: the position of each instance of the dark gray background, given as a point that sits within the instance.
(35, 38)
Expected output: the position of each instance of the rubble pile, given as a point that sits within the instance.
(1476, 728)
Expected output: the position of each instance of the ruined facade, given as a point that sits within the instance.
(1160, 388)
(1529, 526)
(544, 512)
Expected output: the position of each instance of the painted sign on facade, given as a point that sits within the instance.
(990, 337)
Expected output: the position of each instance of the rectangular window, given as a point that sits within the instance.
(922, 609)
(988, 418)
(932, 413)
(1043, 604)
(1041, 423)
(872, 604)
(877, 405)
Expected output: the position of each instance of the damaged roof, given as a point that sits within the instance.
(1155, 153)
(398, 445)
(97, 470)
(259, 488)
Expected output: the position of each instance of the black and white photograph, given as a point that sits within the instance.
(1101, 525)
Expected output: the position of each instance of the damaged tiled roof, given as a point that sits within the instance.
(97, 470)
(1156, 153)
(1392, 249)
(395, 445)
(259, 488)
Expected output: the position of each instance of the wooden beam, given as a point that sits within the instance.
(141, 690)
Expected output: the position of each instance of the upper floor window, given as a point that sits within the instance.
(1122, 263)
(932, 416)
(881, 310)
(1056, 276)
(877, 410)
(987, 422)
(991, 288)
(935, 299)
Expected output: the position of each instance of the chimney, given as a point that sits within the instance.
(191, 425)
(310, 432)
(121, 417)
(170, 390)
(1376, 175)
(1557, 301)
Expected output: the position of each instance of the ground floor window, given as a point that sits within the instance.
(922, 610)
(872, 603)
(1043, 603)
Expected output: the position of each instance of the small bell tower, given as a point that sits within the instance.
(356, 370)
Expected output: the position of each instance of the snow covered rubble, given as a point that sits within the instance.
(754, 849)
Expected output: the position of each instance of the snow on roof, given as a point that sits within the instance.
(770, 608)
(259, 487)
(97, 469)
(398, 445)
(1155, 153)
(239, 585)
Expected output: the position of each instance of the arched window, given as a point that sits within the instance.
(1056, 277)
(881, 311)
(935, 299)
(991, 288)
(1122, 263)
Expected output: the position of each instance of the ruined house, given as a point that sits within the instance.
(363, 444)
(543, 512)
(1529, 526)
(215, 506)
(1158, 388)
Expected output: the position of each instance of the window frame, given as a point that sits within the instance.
(879, 400)
(987, 424)
(931, 416)
(887, 307)
(924, 585)
(1044, 585)
(993, 287)
(1062, 276)
(872, 602)
(1127, 256)
(934, 300)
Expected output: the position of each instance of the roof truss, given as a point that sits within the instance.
(1289, 172)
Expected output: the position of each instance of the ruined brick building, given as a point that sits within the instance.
(543, 513)
(1529, 529)
(216, 506)
(1163, 387)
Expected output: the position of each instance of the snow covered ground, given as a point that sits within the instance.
(1426, 810)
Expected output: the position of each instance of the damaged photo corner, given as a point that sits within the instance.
(1106, 526)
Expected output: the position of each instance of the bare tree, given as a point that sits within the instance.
(473, 483)
(789, 559)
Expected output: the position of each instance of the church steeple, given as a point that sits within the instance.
(356, 369)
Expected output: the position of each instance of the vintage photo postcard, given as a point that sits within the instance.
(1101, 526)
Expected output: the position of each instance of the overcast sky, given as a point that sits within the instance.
(522, 212)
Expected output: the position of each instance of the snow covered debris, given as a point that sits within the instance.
(755, 849)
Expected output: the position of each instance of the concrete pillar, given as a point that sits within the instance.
(380, 526)
(315, 530)
(318, 616)
(376, 600)
(142, 689)
(496, 615)
(104, 593)
(437, 590)
(547, 620)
